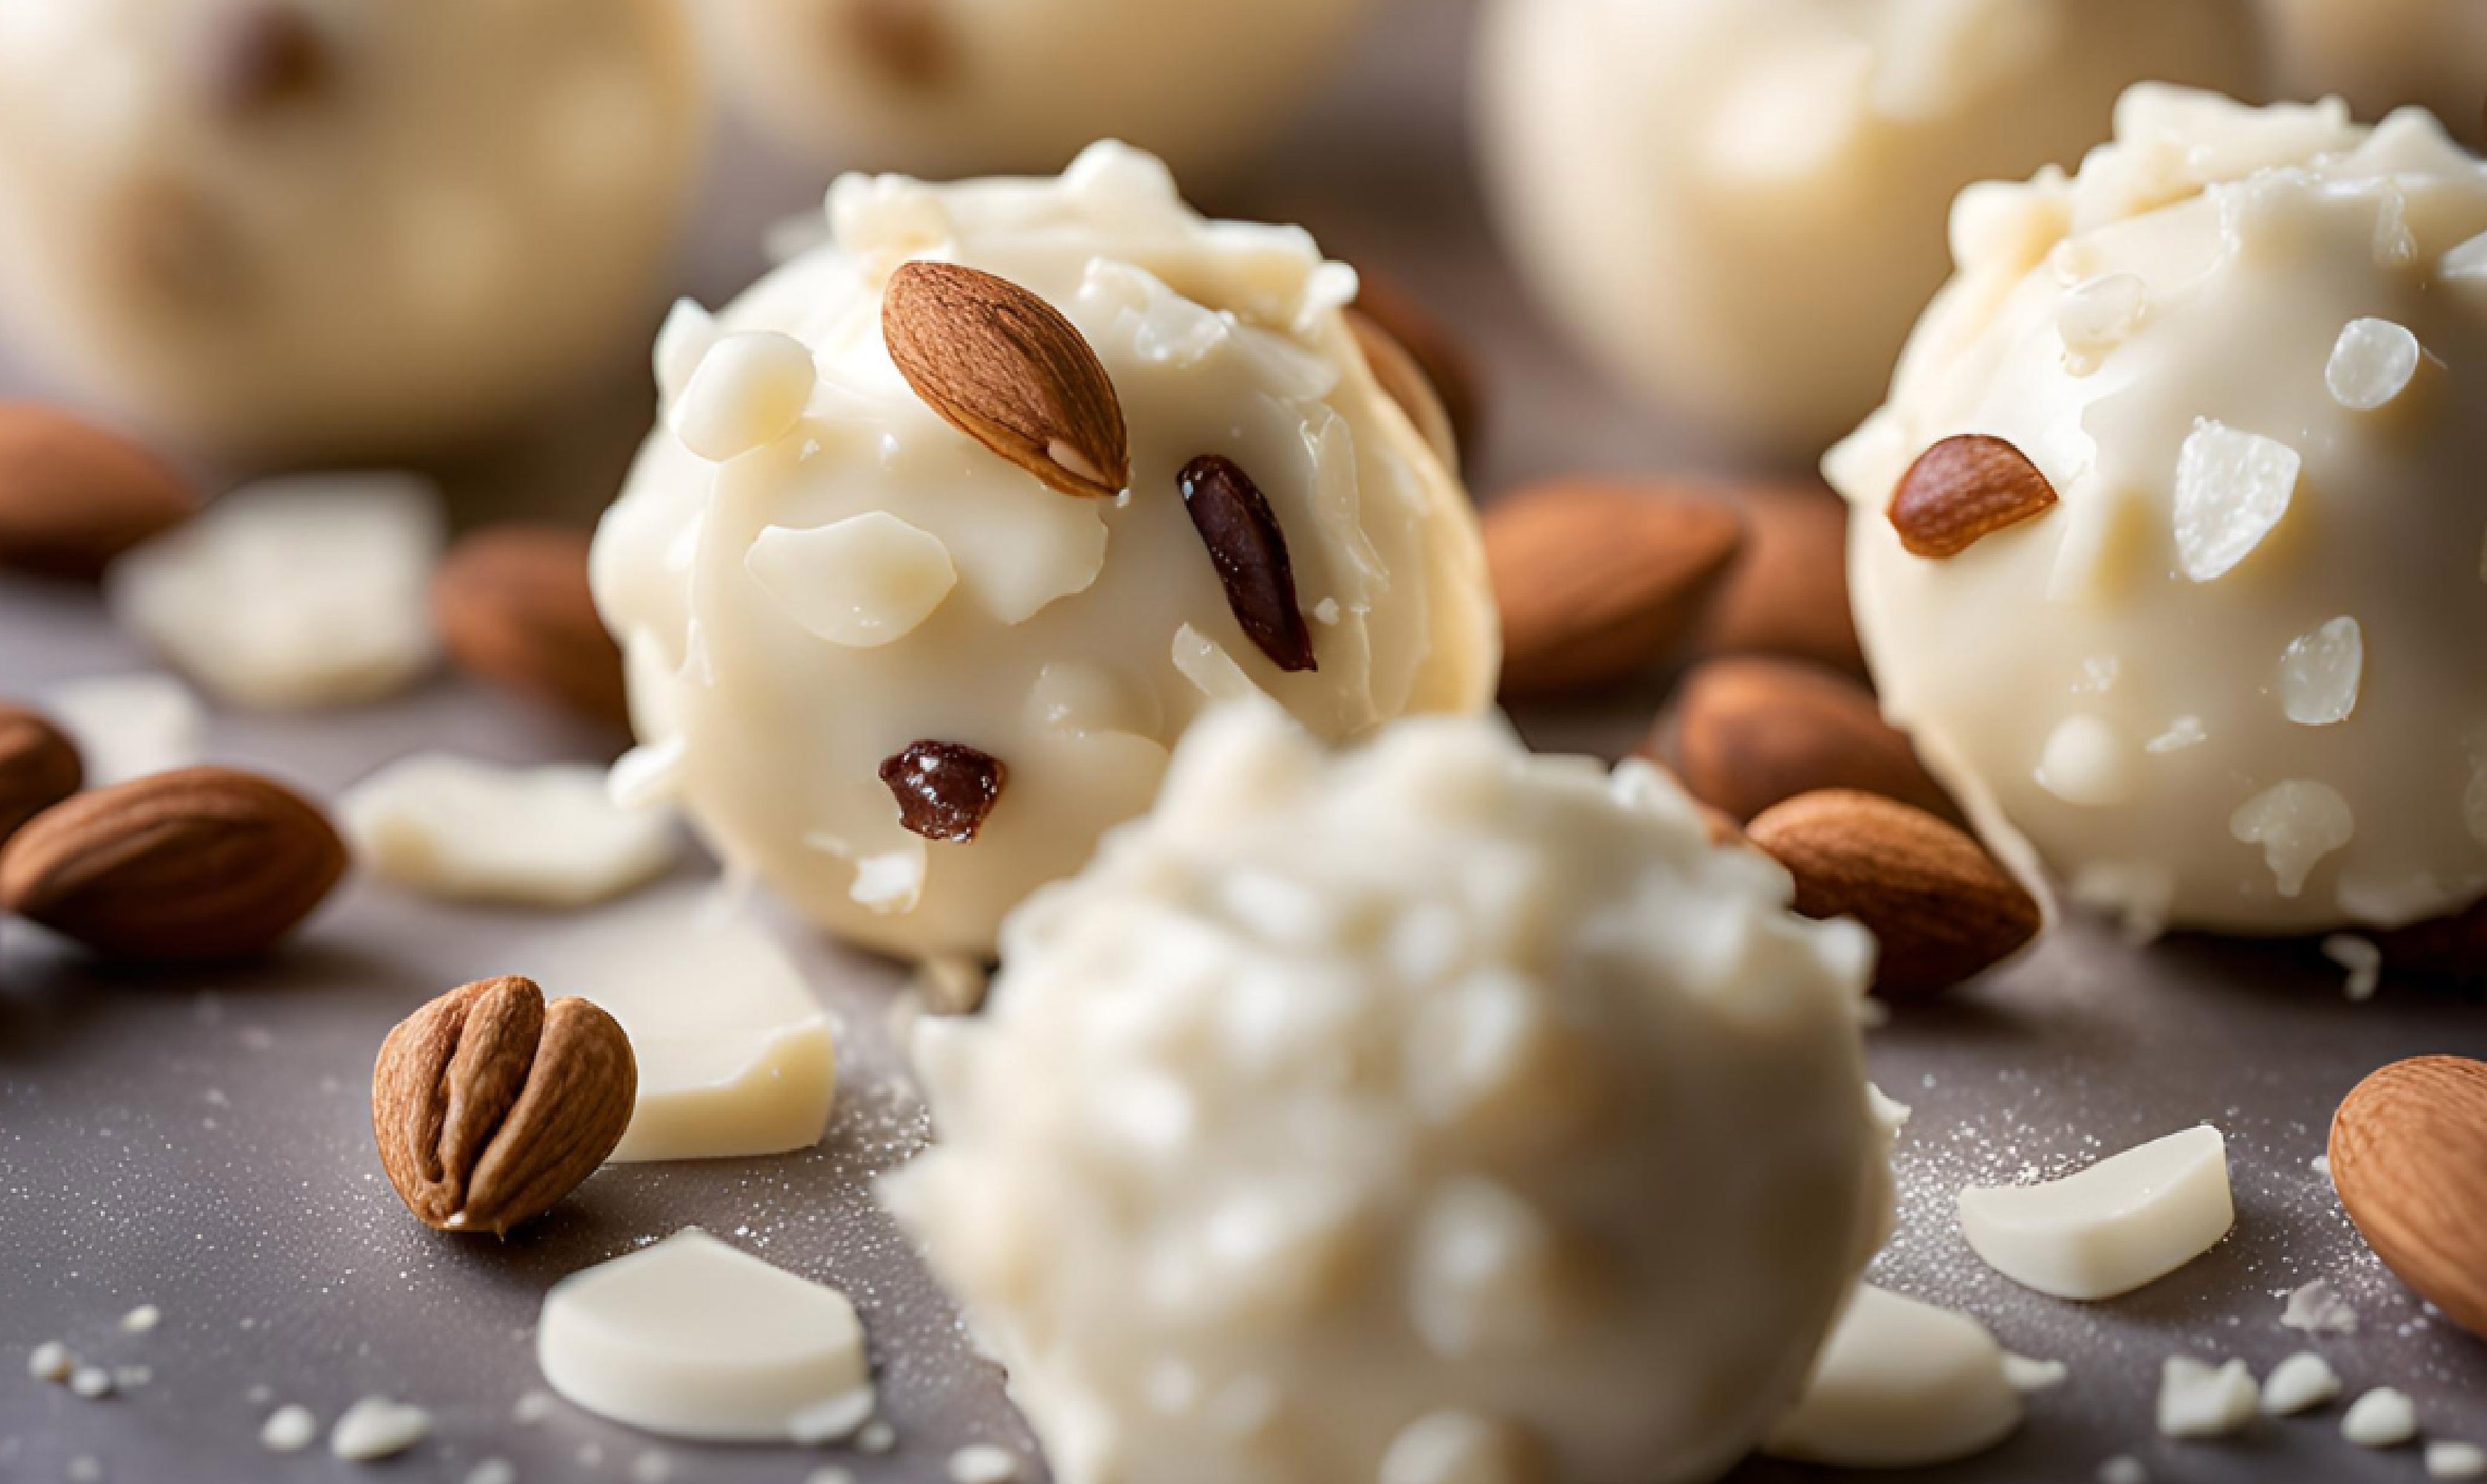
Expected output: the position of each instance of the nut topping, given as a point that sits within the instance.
(38, 767)
(1249, 552)
(944, 790)
(1751, 731)
(1597, 581)
(908, 42)
(266, 54)
(1963, 489)
(489, 1106)
(2408, 1156)
(1006, 369)
(73, 496)
(196, 863)
(513, 609)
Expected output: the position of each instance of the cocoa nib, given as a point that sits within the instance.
(1250, 554)
(944, 790)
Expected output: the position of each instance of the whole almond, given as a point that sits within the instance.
(1750, 732)
(73, 496)
(1963, 489)
(1787, 594)
(1939, 905)
(38, 767)
(1406, 383)
(196, 863)
(513, 609)
(1430, 345)
(489, 1106)
(2408, 1156)
(1599, 582)
(1005, 368)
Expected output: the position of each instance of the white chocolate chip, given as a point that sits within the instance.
(2302, 1382)
(1899, 1383)
(2296, 823)
(2185, 731)
(2086, 762)
(1206, 665)
(2096, 316)
(863, 583)
(2365, 963)
(747, 392)
(2232, 487)
(141, 1320)
(2200, 1400)
(2027, 1374)
(50, 1362)
(2317, 1309)
(2129, 1219)
(2450, 1460)
(2467, 262)
(463, 829)
(377, 1428)
(127, 726)
(289, 1429)
(2319, 673)
(2382, 1418)
(91, 1381)
(981, 1463)
(2373, 362)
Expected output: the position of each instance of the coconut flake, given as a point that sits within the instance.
(2232, 487)
(2373, 362)
(2319, 673)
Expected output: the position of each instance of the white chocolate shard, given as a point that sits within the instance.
(1900, 1385)
(289, 1429)
(2086, 763)
(2127, 1220)
(683, 341)
(2365, 963)
(2232, 487)
(2449, 1458)
(2302, 1382)
(2197, 1399)
(863, 583)
(2099, 315)
(2320, 672)
(747, 392)
(377, 1428)
(2317, 1308)
(295, 593)
(2467, 262)
(736, 1058)
(2372, 363)
(982, 1462)
(128, 726)
(2382, 1418)
(465, 829)
(2296, 823)
(2185, 731)
(693, 1338)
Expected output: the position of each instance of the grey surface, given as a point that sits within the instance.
(201, 1142)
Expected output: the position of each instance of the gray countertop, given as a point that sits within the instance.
(201, 1142)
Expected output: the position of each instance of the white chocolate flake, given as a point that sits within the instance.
(2452, 1459)
(128, 726)
(2365, 963)
(747, 391)
(1900, 1383)
(2086, 763)
(2465, 263)
(689, 332)
(2382, 1418)
(863, 583)
(2185, 731)
(289, 1429)
(2297, 822)
(2320, 671)
(2372, 363)
(2199, 1400)
(2130, 1218)
(463, 829)
(2096, 316)
(377, 1428)
(2232, 487)
(2302, 1382)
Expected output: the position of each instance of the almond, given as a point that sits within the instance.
(1751, 731)
(2408, 1156)
(1006, 369)
(1787, 594)
(73, 496)
(513, 609)
(1598, 581)
(1449, 371)
(1940, 906)
(38, 767)
(196, 863)
(489, 1106)
(1405, 383)
(1963, 489)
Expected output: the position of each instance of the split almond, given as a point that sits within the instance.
(1598, 582)
(1005, 368)
(1750, 732)
(73, 496)
(38, 767)
(489, 1106)
(513, 609)
(1787, 593)
(2408, 1156)
(1963, 489)
(1942, 910)
(193, 864)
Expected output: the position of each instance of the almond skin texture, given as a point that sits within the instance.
(2408, 1156)
(38, 767)
(1751, 731)
(199, 863)
(1963, 489)
(1599, 582)
(1941, 908)
(489, 1106)
(513, 609)
(73, 496)
(1006, 369)
(1787, 594)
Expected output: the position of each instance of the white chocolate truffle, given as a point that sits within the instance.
(1432, 1104)
(2267, 532)
(1738, 204)
(868, 577)
(282, 228)
(2382, 54)
(961, 87)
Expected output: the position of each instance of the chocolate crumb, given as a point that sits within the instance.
(266, 54)
(944, 790)
(1250, 554)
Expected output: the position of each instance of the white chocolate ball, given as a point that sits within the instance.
(966, 86)
(803, 598)
(2230, 679)
(1430, 1113)
(2382, 54)
(1738, 204)
(290, 228)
